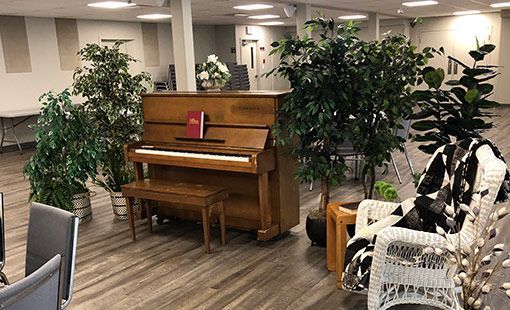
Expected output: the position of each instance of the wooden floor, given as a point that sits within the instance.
(168, 270)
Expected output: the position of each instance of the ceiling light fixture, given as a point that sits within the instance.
(500, 5)
(413, 4)
(275, 23)
(268, 16)
(253, 7)
(352, 17)
(111, 4)
(460, 13)
(154, 16)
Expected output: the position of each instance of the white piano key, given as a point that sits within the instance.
(244, 159)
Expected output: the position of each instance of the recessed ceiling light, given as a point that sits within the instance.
(268, 16)
(275, 23)
(500, 5)
(111, 4)
(466, 12)
(154, 16)
(419, 3)
(241, 15)
(253, 7)
(352, 17)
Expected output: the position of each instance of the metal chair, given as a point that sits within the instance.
(52, 231)
(404, 134)
(37, 291)
(3, 277)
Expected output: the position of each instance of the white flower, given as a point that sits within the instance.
(440, 230)
(480, 242)
(486, 288)
(457, 280)
(438, 251)
(217, 75)
(449, 210)
(212, 58)
(204, 75)
(428, 250)
(506, 263)
(464, 207)
(506, 285)
(466, 249)
(465, 262)
(477, 304)
(222, 68)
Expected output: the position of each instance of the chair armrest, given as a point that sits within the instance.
(412, 240)
(370, 209)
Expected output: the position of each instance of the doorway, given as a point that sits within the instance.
(249, 57)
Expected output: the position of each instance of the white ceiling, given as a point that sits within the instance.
(221, 11)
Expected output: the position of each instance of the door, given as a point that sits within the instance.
(249, 57)
(456, 43)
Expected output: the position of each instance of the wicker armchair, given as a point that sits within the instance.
(399, 272)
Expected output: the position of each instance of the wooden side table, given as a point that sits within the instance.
(336, 222)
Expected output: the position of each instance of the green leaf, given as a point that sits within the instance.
(471, 95)
(435, 78)
(476, 55)
(487, 48)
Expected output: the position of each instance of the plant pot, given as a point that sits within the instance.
(82, 207)
(212, 85)
(316, 230)
(119, 205)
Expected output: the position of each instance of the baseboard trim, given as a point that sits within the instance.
(25, 146)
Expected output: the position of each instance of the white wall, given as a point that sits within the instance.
(485, 27)
(22, 90)
(225, 40)
(265, 36)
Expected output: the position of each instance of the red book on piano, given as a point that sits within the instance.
(195, 125)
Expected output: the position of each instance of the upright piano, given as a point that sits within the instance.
(237, 151)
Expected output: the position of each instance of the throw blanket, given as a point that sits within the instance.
(448, 180)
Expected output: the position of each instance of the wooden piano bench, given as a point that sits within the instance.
(205, 196)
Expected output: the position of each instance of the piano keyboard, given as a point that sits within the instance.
(147, 150)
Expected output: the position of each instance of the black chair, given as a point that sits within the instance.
(38, 291)
(3, 277)
(52, 231)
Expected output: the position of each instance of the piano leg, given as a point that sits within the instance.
(267, 229)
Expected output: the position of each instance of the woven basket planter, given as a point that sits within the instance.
(82, 207)
(120, 207)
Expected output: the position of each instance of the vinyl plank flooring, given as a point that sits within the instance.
(168, 270)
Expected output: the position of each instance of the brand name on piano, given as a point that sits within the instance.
(193, 121)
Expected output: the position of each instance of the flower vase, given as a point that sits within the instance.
(212, 85)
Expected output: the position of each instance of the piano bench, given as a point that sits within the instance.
(205, 196)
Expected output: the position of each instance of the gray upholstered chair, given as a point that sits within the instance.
(38, 291)
(3, 277)
(52, 231)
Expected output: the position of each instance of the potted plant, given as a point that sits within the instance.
(314, 120)
(383, 73)
(458, 111)
(113, 105)
(213, 74)
(65, 156)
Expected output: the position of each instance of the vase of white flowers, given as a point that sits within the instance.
(213, 74)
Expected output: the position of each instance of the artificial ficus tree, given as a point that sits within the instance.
(459, 110)
(114, 107)
(314, 120)
(381, 76)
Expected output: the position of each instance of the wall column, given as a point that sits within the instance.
(303, 14)
(501, 89)
(373, 26)
(184, 50)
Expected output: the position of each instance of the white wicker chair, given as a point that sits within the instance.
(395, 277)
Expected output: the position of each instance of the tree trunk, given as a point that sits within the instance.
(324, 193)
